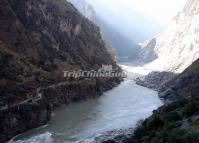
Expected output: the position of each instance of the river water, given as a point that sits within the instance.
(119, 108)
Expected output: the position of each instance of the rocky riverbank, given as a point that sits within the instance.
(155, 80)
(115, 136)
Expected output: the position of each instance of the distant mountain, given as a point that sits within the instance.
(147, 53)
(116, 43)
(177, 47)
(123, 45)
(130, 22)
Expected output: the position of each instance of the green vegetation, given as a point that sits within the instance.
(177, 122)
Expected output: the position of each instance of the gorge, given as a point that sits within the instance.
(157, 101)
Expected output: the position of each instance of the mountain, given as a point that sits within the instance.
(129, 21)
(177, 46)
(147, 53)
(173, 50)
(117, 43)
(124, 47)
(38, 41)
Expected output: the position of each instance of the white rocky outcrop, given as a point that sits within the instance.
(178, 46)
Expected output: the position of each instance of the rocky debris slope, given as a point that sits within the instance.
(177, 47)
(38, 41)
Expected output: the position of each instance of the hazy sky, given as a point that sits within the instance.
(160, 10)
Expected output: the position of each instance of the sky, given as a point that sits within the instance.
(160, 10)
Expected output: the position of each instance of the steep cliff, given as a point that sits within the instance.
(38, 41)
(177, 47)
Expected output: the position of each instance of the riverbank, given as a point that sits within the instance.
(155, 80)
(18, 119)
(115, 136)
(98, 118)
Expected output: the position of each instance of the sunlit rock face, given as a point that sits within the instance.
(178, 46)
(147, 54)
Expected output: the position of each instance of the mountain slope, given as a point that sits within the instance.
(43, 38)
(177, 47)
(38, 41)
(123, 46)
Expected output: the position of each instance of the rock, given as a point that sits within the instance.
(183, 85)
(115, 136)
(155, 80)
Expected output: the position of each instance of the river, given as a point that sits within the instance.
(119, 108)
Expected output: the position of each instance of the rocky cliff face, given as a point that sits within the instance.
(38, 40)
(177, 47)
(147, 53)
